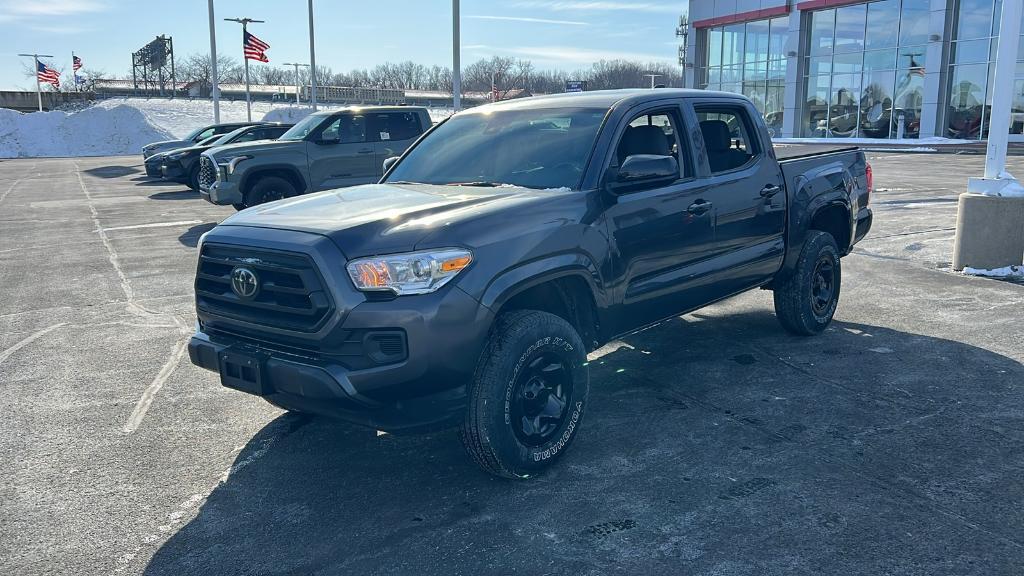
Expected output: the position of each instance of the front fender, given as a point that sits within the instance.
(255, 170)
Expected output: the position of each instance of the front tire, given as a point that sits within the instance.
(806, 300)
(193, 178)
(267, 190)
(528, 395)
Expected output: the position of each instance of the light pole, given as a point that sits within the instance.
(297, 89)
(456, 64)
(990, 216)
(245, 23)
(213, 67)
(312, 60)
(35, 71)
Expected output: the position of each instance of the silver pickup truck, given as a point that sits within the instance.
(326, 150)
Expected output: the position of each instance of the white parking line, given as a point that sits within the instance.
(7, 353)
(9, 188)
(154, 225)
(142, 406)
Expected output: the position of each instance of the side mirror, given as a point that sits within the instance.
(389, 162)
(641, 168)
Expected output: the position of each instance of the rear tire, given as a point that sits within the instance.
(268, 189)
(806, 300)
(527, 396)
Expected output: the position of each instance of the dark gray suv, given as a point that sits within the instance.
(326, 150)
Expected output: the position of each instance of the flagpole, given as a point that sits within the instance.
(39, 89)
(245, 22)
(74, 73)
(248, 102)
(214, 89)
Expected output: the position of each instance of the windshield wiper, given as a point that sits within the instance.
(479, 184)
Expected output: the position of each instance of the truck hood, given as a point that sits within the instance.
(256, 146)
(385, 218)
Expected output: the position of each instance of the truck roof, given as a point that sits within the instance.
(602, 98)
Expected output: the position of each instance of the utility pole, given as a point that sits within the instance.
(312, 60)
(456, 57)
(297, 89)
(215, 89)
(652, 77)
(245, 23)
(35, 71)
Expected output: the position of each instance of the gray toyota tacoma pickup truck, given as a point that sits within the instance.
(325, 150)
(467, 287)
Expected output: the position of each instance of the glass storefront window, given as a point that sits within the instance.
(881, 16)
(976, 30)
(873, 45)
(749, 58)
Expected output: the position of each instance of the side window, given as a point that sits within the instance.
(204, 135)
(388, 126)
(247, 136)
(654, 133)
(274, 133)
(727, 137)
(346, 129)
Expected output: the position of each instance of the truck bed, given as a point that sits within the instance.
(784, 152)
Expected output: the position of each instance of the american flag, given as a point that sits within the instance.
(76, 62)
(46, 74)
(255, 49)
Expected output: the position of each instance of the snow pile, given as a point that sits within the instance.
(289, 115)
(1004, 272)
(94, 131)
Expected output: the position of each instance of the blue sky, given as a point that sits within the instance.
(566, 34)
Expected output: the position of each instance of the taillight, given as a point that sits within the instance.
(871, 180)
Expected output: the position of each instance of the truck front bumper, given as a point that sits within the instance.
(173, 170)
(222, 192)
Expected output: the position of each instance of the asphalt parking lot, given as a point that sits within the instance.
(715, 443)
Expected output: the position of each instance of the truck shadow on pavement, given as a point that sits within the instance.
(113, 171)
(186, 194)
(711, 441)
(191, 236)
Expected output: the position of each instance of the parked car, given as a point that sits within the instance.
(182, 164)
(323, 151)
(468, 286)
(194, 137)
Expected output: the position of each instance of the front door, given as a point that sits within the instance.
(342, 155)
(661, 232)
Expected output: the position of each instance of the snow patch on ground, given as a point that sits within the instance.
(94, 131)
(1004, 272)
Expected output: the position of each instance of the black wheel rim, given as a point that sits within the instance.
(540, 399)
(823, 285)
(271, 195)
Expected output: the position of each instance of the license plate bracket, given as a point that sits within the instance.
(244, 370)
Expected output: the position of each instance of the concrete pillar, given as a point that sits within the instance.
(989, 232)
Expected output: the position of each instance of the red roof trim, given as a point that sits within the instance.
(743, 17)
(819, 4)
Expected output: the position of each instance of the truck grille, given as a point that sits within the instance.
(290, 293)
(207, 172)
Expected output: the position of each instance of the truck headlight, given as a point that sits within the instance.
(409, 273)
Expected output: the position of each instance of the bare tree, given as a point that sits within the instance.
(504, 75)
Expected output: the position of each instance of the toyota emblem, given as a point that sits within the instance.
(244, 282)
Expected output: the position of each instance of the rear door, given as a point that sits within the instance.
(661, 231)
(393, 132)
(341, 154)
(748, 193)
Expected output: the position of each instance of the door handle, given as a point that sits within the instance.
(699, 208)
(770, 190)
(366, 151)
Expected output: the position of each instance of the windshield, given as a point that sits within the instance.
(211, 140)
(540, 148)
(193, 135)
(303, 128)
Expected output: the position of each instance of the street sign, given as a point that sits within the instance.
(575, 85)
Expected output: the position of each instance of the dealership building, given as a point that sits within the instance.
(855, 68)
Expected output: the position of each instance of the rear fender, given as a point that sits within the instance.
(816, 189)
